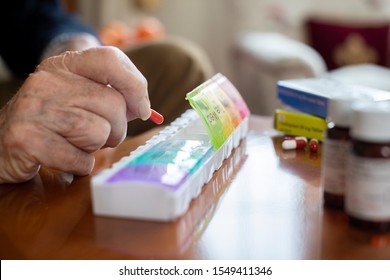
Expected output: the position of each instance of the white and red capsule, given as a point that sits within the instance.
(293, 143)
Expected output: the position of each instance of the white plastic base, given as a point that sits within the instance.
(143, 199)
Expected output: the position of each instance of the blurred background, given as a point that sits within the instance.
(215, 25)
(253, 42)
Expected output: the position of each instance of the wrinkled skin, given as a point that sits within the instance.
(71, 106)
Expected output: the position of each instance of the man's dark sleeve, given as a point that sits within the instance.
(28, 27)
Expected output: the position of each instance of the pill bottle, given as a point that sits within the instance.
(368, 167)
(335, 150)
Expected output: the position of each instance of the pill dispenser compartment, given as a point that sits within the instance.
(159, 180)
(165, 190)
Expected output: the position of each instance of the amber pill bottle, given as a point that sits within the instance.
(336, 145)
(368, 168)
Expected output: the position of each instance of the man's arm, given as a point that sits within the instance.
(35, 29)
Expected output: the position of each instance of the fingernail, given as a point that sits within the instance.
(144, 110)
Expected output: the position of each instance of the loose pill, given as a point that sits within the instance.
(295, 138)
(313, 145)
(156, 117)
(293, 144)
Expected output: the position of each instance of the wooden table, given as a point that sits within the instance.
(263, 203)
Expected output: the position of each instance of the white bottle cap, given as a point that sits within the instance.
(340, 108)
(371, 121)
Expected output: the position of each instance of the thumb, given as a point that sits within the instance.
(110, 66)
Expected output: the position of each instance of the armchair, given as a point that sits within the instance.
(355, 53)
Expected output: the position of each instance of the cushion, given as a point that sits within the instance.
(277, 51)
(344, 42)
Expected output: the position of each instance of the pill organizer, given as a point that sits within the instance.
(158, 180)
(170, 240)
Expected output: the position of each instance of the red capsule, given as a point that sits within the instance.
(156, 117)
(313, 145)
(295, 138)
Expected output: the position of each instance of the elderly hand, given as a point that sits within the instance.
(71, 106)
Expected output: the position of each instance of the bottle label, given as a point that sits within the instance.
(368, 188)
(333, 166)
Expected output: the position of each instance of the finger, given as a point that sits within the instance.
(112, 113)
(107, 103)
(28, 146)
(83, 129)
(73, 95)
(110, 66)
(57, 153)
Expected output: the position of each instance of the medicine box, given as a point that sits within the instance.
(310, 95)
(299, 124)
